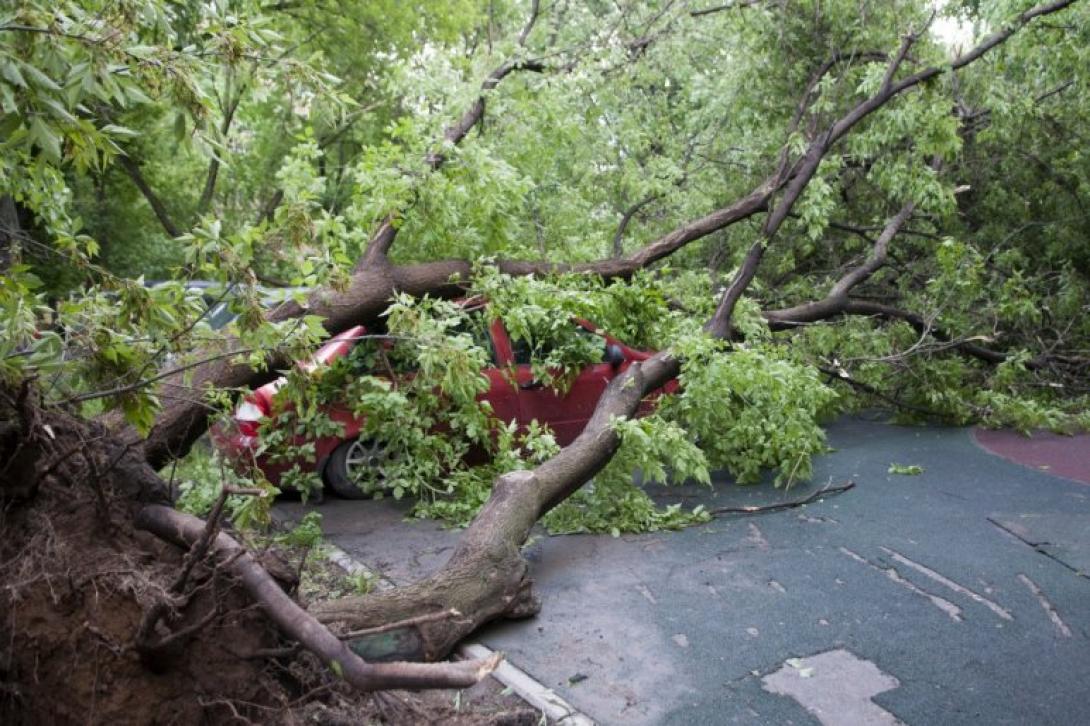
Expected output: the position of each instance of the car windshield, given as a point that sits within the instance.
(382, 354)
(524, 352)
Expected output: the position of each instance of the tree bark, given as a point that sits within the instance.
(133, 170)
(10, 231)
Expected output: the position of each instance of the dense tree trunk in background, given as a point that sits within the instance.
(10, 230)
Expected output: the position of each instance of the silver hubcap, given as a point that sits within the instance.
(366, 458)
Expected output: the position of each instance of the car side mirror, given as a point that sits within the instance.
(614, 355)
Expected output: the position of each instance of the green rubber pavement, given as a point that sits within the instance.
(965, 586)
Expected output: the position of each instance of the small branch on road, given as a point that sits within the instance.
(826, 491)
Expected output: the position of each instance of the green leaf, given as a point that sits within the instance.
(58, 110)
(10, 71)
(119, 130)
(7, 100)
(38, 78)
(135, 95)
(48, 141)
(905, 469)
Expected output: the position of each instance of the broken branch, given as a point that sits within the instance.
(824, 492)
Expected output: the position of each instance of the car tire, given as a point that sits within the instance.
(347, 459)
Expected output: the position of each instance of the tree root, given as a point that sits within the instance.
(184, 530)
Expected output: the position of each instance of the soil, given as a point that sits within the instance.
(76, 580)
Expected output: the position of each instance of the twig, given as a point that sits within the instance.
(185, 632)
(200, 547)
(284, 652)
(406, 623)
(82, 445)
(843, 377)
(244, 491)
(166, 374)
(784, 505)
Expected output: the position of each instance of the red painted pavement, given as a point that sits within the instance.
(1066, 456)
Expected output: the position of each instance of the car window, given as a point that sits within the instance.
(381, 356)
(521, 350)
(523, 353)
(478, 326)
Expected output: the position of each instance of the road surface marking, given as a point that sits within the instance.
(943, 580)
(836, 687)
(756, 537)
(941, 603)
(642, 589)
(1053, 615)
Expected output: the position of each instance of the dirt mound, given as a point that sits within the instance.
(77, 583)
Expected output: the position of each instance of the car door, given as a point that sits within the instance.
(566, 414)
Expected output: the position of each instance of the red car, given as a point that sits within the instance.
(514, 395)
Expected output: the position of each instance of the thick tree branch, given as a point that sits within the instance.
(838, 303)
(486, 577)
(807, 166)
(958, 63)
(924, 327)
(623, 267)
(816, 77)
(378, 247)
(133, 170)
(214, 163)
(626, 218)
(834, 303)
(535, 10)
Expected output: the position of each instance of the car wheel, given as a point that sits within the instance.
(356, 469)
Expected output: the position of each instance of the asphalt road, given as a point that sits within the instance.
(958, 596)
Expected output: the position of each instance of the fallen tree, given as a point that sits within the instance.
(487, 577)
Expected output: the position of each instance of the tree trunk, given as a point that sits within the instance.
(487, 577)
(10, 231)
